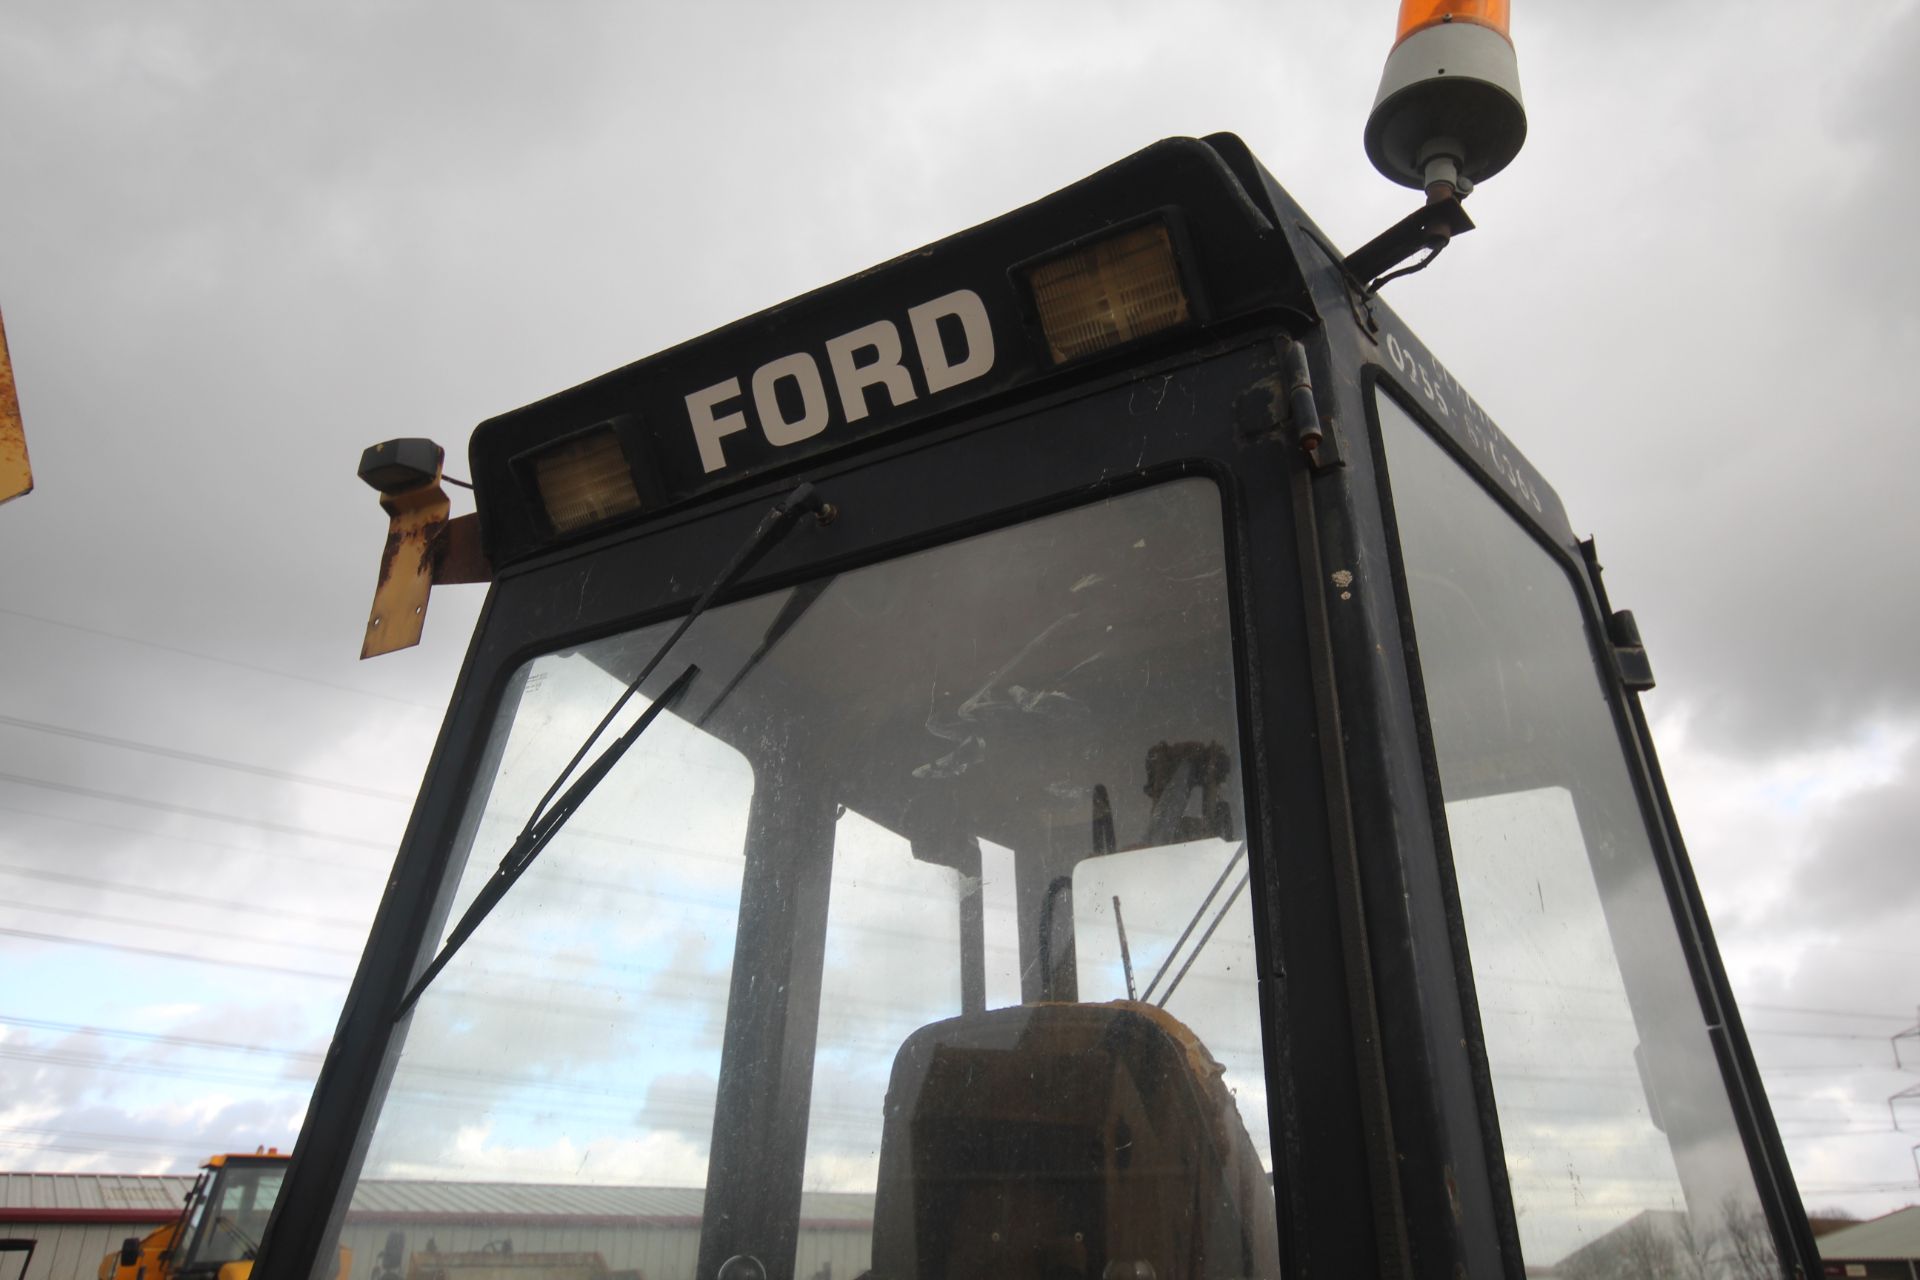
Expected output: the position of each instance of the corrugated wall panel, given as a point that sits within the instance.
(659, 1252)
(844, 1253)
(73, 1252)
(67, 1251)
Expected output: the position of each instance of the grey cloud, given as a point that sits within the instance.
(1705, 289)
(242, 242)
(682, 1103)
(1862, 871)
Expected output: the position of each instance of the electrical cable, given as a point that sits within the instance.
(129, 949)
(198, 845)
(174, 926)
(192, 757)
(225, 662)
(175, 895)
(162, 806)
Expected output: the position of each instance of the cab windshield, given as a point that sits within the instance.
(916, 938)
(229, 1212)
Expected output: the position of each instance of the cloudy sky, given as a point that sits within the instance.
(239, 242)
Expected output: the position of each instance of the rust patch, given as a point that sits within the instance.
(16, 473)
(457, 554)
(415, 519)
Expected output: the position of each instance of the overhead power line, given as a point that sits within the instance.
(95, 1150)
(121, 797)
(1821, 1013)
(155, 1070)
(175, 895)
(174, 926)
(197, 844)
(158, 1037)
(159, 1143)
(225, 662)
(128, 948)
(194, 757)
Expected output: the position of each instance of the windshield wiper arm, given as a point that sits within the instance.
(233, 1228)
(549, 815)
(536, 835)
(773, 526)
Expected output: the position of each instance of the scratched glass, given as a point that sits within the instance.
(1619, 1138)
(943, 809)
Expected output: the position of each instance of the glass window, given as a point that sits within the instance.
(1619, 1137)
(234, 1214)
(841, 936)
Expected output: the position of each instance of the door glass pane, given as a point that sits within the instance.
(1619, 1137)
(238, 1216)
(826, 972)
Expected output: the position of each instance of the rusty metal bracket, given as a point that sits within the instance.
(423, 545)
(424, 549)
(16, 474)
(416, 518)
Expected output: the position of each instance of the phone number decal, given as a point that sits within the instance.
(1430, 378)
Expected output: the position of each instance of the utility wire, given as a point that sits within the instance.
(225, 662)
(193, 757)
(199, 845)
(159, 1142)
(173, 926)
(157, 1037)
(130, 949)
(1500, 979)
(121, 797)
(175, 895)
(42, 1058)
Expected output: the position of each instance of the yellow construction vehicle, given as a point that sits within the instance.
(218, 1230)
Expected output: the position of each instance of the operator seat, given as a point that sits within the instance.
(1049, 1141)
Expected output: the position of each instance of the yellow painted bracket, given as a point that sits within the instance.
(423, 547)
(16, 474)
(415, 518)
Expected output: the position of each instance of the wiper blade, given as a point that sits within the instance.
(536, 835)
(550, 815)
(798, 601)
(773, 526)
(233, 1228)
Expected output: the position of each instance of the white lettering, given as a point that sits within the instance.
(707, 429)
(813, 399)
(885, 370)
(851, 377)
(965, 306)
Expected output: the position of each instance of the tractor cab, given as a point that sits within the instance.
(227, 1213)
(1080, 752)
(221, 1221)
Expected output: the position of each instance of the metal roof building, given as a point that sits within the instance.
(1886, 1248)
(75, 1219)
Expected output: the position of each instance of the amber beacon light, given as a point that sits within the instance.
(1449, 112)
